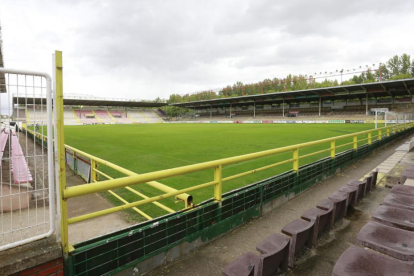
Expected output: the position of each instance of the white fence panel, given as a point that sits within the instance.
(27, 191)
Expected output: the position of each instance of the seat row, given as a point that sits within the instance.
(389, 237)
(278, 251)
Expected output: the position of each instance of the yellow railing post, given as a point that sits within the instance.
(379, 135)
(296, 159)
(94, 174)
(369, 138)
(333, 149)
(388, 132)
(219, 186)
(61, 151)
(355, 142)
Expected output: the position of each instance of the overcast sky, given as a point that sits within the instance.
(144, 49)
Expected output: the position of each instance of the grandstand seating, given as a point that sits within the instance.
(304, 232)
(92, 115)
(36, 115)
(86, 116)
(103, 117)
(19, 115)
(144, 116)
(70, 118)
(21, 173)
(120, 117)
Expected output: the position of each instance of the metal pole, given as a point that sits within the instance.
(385, 119)
(366, 104)
(254, 110)
(376, 119)
(320, 106)
(230, 111)
(211, 110)
(283, 107)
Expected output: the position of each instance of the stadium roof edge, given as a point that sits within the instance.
(392, 88)
(87, 102)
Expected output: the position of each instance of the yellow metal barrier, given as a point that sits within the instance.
(216, 165)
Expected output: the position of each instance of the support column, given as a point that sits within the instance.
(320, 105)
(254, 110)
(61, 152)
(230, 111)
(211, 110)
(283, 107)
(366, 104)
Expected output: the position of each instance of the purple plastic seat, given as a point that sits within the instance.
(322, 221)
(341, 200)
(244, 265)
(409, 168)
(374, 178)
(369, 180)
(362, 186)
(352, 194)
(278, 245)
(403, 190)
(356, 261)
(408, 174)
(394, 217)
(388, 240)
(301, 232)
(399, 201)
(330, 206)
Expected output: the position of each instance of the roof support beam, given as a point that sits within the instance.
(385, 89)
(406, 87)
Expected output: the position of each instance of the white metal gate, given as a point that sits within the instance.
(27, 191)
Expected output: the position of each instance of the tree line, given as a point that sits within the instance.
(397, 67)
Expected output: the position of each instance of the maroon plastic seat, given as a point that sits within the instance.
(399, 201)
(330, 206)
(356, 261)
(374, 178)
(409, 168)
(403, 190)
(395, 217)
(278, 245)
(352, 192)
(362, 186)
(408, 174)
(301, 232)
(341, 200)
(322, 221)
(244, 265)
(369, 180)
(391, 241)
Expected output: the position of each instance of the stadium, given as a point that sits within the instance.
(303, 175)
(326, 130)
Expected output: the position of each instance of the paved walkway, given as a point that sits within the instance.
(210, 259)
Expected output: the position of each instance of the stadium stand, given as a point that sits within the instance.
(103, 116)
(144, 116)
(70, 117)
(388, 237)
(36, 115)
(302, 234)
(86, 116)
(120, 117)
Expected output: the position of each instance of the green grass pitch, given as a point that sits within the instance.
(151, 147)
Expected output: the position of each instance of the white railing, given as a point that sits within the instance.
(27, 187)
